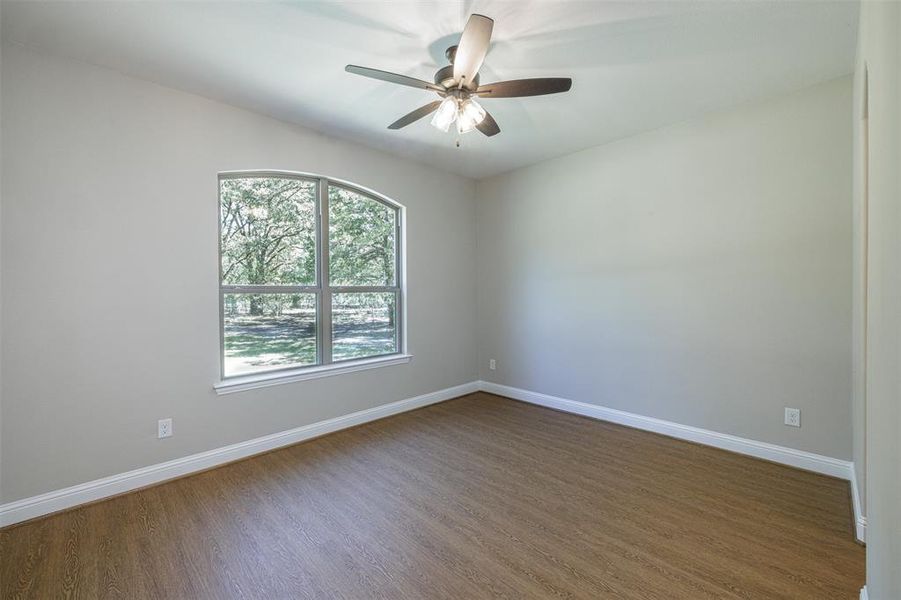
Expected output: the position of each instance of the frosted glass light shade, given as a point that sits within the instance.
(446, 113)
(470, 114)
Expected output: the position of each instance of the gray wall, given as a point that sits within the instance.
(109, 262)
(699, 273)
(879, 53)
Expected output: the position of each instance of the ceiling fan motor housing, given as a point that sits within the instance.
(445, 77)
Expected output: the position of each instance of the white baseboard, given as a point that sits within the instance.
(863, 593)
(43, 504)
(50, 502)
(780, 454)
(860, 521)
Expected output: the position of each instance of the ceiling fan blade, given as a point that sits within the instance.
(415, 115)
(472, 49)
(488, 126)
(393, 78)
(518, 88)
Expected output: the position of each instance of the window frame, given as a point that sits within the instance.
(321, 288)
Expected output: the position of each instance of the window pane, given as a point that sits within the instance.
(363, 324)
(361, 239)
(268, 231)
(268, 331)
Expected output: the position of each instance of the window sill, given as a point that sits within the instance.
(251, 382)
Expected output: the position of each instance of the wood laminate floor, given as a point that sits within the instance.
(478, 497)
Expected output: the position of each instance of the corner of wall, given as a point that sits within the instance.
(858, 281)
(1, 253)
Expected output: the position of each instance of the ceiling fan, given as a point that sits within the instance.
(458, 84)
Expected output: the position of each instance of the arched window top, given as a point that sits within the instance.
(313, 177)
(310, 274)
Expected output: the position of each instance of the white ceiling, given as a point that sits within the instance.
(635, 65)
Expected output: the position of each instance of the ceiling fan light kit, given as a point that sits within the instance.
(458, 84)
(467, 113)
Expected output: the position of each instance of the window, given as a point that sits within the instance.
(310, 274)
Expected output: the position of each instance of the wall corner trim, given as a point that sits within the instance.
(801, 459)
(98, 489)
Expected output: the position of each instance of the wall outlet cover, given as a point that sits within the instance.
(793, 417)
(164, 428)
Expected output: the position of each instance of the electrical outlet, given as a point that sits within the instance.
(164, 428)
(793, 417)
(492, 364)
